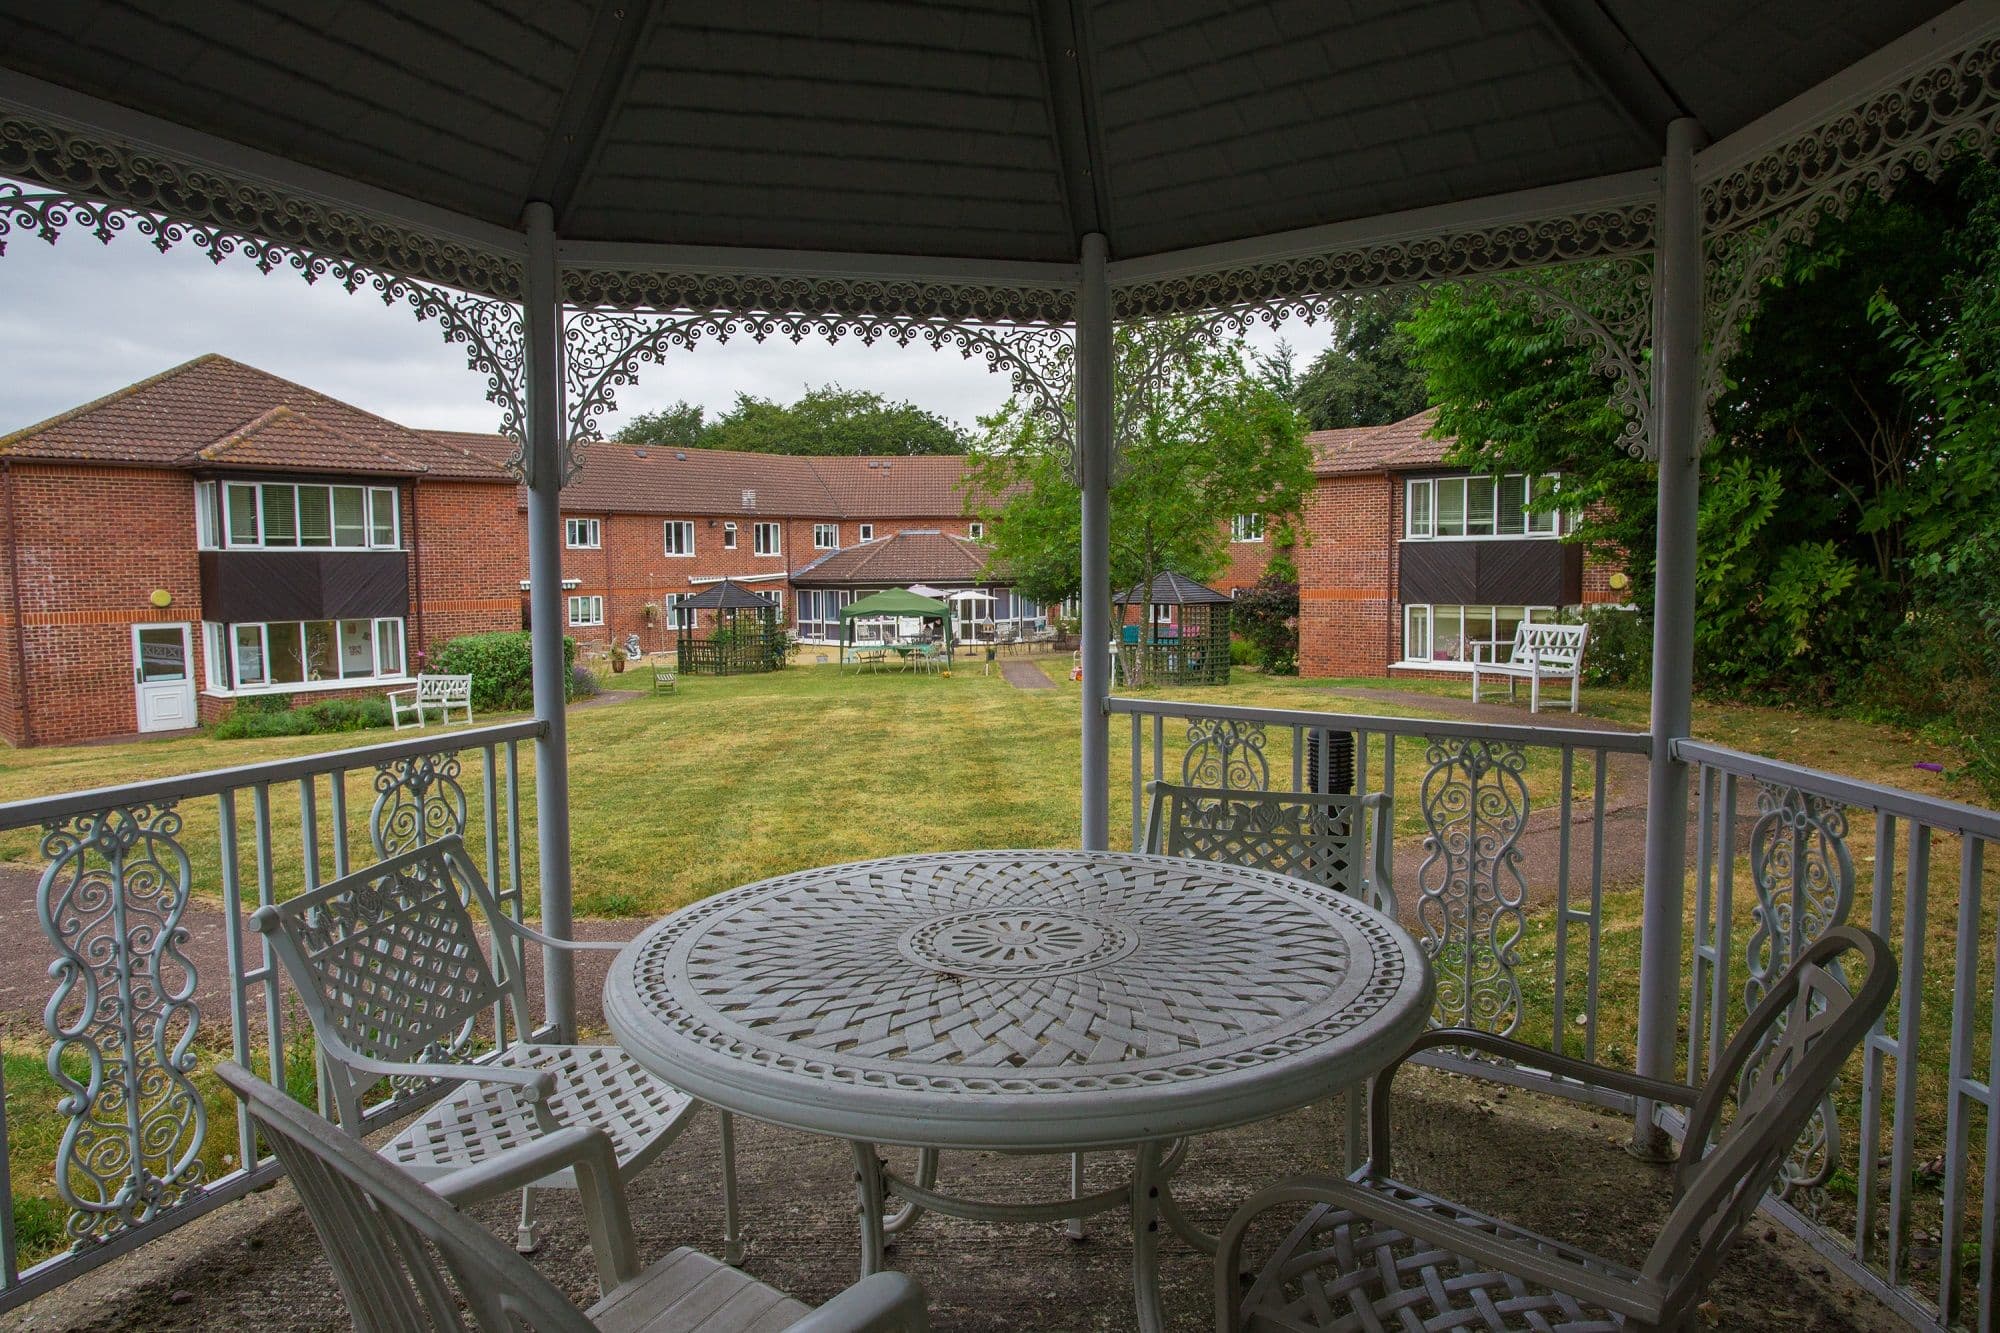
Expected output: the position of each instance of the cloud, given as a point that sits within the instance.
(79, 320)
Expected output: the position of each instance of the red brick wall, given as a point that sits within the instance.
(81, 593)
(632, 569)
(1347, 574)
(470, 542)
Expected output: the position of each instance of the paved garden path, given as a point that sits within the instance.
(1026, 676)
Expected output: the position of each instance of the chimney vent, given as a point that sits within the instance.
(639, 453)
(749, 498)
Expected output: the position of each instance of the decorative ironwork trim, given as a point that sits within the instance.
(489, 329)
(1278, 289)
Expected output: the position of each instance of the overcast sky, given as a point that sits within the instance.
(79, 319)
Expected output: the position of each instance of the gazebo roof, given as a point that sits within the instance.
(1172, 589)
(983, 137)
(727, 595)
(895, 602)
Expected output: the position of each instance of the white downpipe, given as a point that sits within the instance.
(1677, 431)
(1093, 450)
(542, 322)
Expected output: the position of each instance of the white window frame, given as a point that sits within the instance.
(685, 527)
(590, 530)
(219, 640)
(678, 616)
(975, 530)
(867, 532)
(760, 532)
(1425, 614)
(207, 516)
(826, 536)
(1246, 528)
(1432, 488)
(728, 536)
(593, 608)
(229, 540)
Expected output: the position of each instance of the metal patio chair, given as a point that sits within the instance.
(1371, 1252)
(407, 1259)
(1339, 841)
(389, 964)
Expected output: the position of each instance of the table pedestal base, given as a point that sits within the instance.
(1147, 1197)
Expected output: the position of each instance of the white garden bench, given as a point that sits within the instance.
(1540, 652)
(443, 693)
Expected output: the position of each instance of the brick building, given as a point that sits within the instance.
(1411, 567)
(645, 526)
(215, 532)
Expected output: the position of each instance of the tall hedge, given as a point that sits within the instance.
(501, 667)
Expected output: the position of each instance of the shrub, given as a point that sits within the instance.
(583, 683)
(502, 668)
(1242, 652)
(1268, 616)
(273, 715)
(1620, 647)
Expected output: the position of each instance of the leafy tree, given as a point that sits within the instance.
(824, 421)
(1370, 376)
(1516, 398)
(680, 425)
(1199, 436)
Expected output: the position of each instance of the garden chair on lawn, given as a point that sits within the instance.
(666, 678)
(1373, 1252)
(390, 967)
(1539, 652)
(406, 1258)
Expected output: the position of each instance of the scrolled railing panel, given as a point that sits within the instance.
(1892, 1181)
(130, 877)
(1470, 796)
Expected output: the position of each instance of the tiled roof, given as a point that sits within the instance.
(170, 419)
(659, 479)
(1172, 588)
(1357, 450)
(915, 555)
(282, 438)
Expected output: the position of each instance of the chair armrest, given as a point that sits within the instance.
(1640, 1299)
(528, 932)
(408, 691)
(1564, 1066)
(587, 1152)
(534, 1085)
(883, 1303)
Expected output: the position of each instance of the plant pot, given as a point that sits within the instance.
(617, 666)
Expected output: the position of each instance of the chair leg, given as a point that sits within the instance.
(528, 1234)
(1535, 693)
(1074, 1228)
(732, 1231)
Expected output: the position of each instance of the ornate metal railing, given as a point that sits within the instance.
(141, 885)
(1898, 1179)
(1512, 824)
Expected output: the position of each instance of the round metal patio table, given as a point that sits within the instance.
(1020, 1001)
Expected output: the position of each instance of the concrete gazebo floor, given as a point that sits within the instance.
(1558, 1168)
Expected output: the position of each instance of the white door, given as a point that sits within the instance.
(163, 676)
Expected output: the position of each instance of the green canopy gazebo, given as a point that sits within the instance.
(898, 602)
(744, 637)
(1193, 648)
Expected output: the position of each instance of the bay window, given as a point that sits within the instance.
(276, 515)
(274, 654)
(1482, 506)
(1451, 634)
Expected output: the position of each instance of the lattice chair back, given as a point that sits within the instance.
(1341, 842)
(1776, 1070)
(1557, 647)
(389, 963)
(406, 1261)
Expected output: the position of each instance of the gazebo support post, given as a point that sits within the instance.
(543, 381)
(1093, 458)
(1676, 434)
